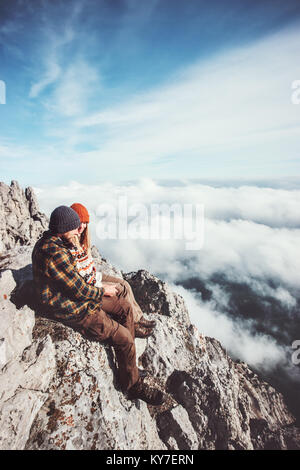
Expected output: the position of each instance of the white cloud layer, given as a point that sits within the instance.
(242, 227)
(259, 350)
(245, 240)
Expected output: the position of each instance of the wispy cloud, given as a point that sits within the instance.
(53, 40)
(50, 69)
(227, 114)
(73, 91)
(218, 109)
(51, 74)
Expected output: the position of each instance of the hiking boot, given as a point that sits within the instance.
(142, 331)
(147, 323)
(142, 391)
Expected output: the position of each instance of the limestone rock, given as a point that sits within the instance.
(176, 429)
(26, 368)
(21, 222)
(84, 409)
(163, 301)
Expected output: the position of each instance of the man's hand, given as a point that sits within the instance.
(110, 289)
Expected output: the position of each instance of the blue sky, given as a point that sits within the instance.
(119, 90)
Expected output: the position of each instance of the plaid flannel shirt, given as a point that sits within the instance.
(59, 286)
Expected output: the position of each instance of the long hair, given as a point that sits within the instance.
(85, 240)
(76, 242)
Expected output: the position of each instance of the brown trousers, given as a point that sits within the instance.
(137, 312)
(114, 324)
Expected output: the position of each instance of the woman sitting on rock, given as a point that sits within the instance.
(87, 269)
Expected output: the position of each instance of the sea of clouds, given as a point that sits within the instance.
(248, 264)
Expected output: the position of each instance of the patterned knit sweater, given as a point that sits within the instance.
(86, 267)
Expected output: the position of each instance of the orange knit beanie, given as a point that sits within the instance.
(82, 212)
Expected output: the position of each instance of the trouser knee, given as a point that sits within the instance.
(122, 339)
(124, 291)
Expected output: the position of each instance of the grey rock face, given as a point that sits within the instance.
(176, 429)
(59, 390)
(84, 409)
(26, 368)
(21, 222)
(145, 286)
(214, 402)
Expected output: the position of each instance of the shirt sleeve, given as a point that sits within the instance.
(62, 270)
(98, 279)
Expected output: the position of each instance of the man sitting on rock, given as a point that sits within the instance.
(74, 302)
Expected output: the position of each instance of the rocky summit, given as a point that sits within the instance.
(58, 390)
